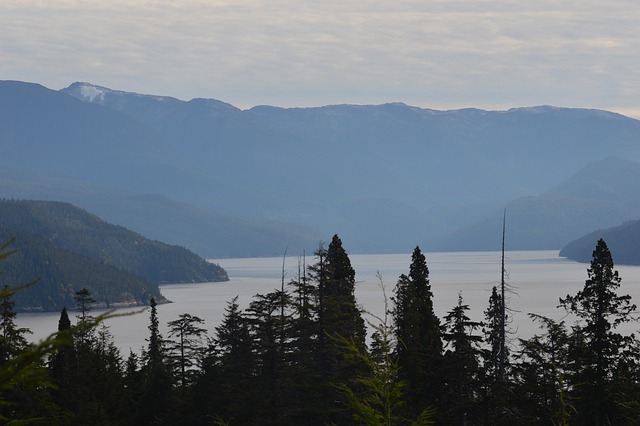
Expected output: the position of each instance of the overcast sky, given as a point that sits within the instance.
(436, 54)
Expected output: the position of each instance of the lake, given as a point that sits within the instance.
(536, 280)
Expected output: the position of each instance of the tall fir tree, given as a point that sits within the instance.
(156, 401)
(25, 400)
(305, 377)
(12, 337)
(268, 316)
(540, 372)
(461, 392)
(495, 384)
(88, 373)
(596, 349)
(338, 317)
(225, 390)
(417, 330)
(185, 353)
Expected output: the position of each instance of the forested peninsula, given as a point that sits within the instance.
(301, 355)
(67, 249)
(623, 241)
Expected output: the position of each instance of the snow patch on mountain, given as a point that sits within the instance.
(90, 92)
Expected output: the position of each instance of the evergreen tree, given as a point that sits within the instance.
(380, 396)
(23, 400)
(597, 348)
(156, 401)
(225, 389)
(88, 373)
(271, 346)
(84, 302)
(338, 317)
(496, 364)
(417, 329)
(461, 367)
(12, 337)
(541, 371)
(133, 388)
(187, 351)
(64, 323)
(155, 349)
(305, 378)
(62, 367)
(12, 340)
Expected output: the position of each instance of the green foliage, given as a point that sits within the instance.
(62, 273)
(417, 329)
(224, 389)
(461, 367)
(541, 369)
(596, 349)
(286, 359)
(187, 351)
(26, 370)
(377, 397)
(338, 315)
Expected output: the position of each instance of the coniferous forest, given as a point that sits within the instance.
(304, 355)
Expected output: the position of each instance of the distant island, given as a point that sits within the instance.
(67, 249)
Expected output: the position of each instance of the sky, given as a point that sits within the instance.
(436, 54)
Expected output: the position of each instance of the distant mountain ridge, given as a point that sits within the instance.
(602, 194)
(72, 236)
(385, 177)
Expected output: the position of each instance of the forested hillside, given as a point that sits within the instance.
(55, 238)
(623, 240)
(60, 273)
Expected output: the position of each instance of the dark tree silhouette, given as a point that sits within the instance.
(596, 347)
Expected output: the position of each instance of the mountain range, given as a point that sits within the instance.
(227, 182)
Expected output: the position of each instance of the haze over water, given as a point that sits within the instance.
(536, 280)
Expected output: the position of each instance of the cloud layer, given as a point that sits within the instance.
(440, 54)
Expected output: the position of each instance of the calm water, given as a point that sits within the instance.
(536, 278)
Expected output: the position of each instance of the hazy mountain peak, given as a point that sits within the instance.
(93, 93)
(137, 105)
(88, 92)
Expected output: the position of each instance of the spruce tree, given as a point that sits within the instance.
(84, 302)
(156, 396)
(540, 372)
(25, 399)
(305, 376)
(225, 389)
(186, 352)
(12, 337)
(338, 317)
(596, 347)
(461, 367)
(417, 330)
(268, 317)
(495, 387)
